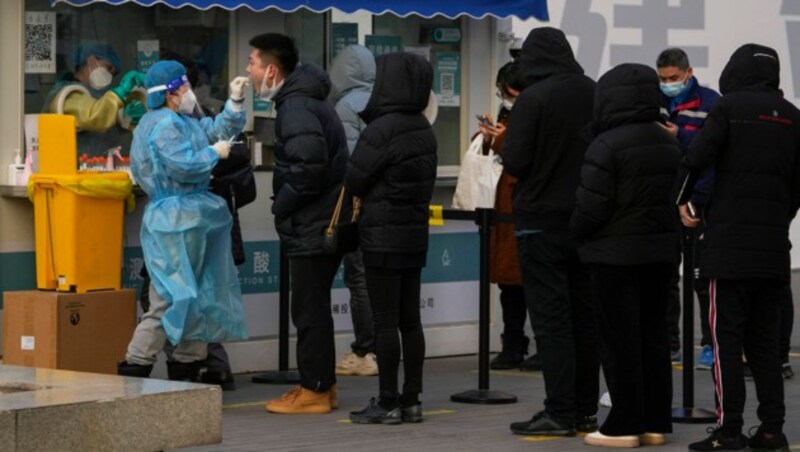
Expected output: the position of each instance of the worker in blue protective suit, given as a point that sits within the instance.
(195, 296)
(103, 115)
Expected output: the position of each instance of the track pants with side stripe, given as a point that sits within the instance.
(745, 316)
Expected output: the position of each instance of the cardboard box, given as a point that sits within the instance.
(87, 332)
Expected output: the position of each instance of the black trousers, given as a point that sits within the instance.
(689, 237)
(631, 303)
(745, 315)
(556, 286)
(394, 295)
(512, 301)
(787, 322)
(312, 278)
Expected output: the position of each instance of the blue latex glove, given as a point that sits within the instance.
(135, 110)
(129, 81)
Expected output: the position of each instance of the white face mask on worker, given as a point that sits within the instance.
(188, 102)
(100, 78)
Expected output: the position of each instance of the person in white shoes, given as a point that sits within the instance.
(627, 225)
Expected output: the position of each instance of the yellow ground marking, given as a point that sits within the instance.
(424, 413)
(233, 406)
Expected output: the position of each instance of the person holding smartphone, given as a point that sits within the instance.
(504, 262)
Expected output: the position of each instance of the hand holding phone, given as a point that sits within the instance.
(483, 119)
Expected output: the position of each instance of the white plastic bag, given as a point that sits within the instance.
(477, 180)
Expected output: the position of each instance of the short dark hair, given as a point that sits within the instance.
(280, 47)
(673, 57)
(509, 76)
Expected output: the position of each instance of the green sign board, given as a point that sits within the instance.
(381, 45)
(447, 35)
(447, 78)
(343, 35)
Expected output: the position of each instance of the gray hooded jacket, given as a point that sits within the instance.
(352, 75)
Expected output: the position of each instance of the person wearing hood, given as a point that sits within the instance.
(310, 158)
(625, 220)
(352, 75)
(685, 105)
(393, 170)
(752, 139)
(195, 298)
(544, 150)
(87, 95)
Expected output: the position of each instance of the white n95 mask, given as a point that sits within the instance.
(100, 78)
(188, 102)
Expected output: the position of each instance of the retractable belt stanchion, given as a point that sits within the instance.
(484, 219)
(688, 414)
(283, 375)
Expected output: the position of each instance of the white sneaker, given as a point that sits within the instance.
(348, 364)
(368, 366)
(601, 440)
(605, 400)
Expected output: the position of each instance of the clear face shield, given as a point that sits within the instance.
(188, 104)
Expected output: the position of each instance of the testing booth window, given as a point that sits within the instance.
(63, 44)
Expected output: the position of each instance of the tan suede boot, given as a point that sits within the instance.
(300, 400)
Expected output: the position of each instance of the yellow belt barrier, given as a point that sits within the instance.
(436, 216)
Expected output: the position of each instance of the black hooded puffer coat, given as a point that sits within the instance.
(393, 167)
(624, 209)
(752, 138)
(310, 160)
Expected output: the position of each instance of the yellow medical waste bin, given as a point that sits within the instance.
(78, 226)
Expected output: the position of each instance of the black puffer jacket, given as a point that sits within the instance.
(310, 160)
(752, 138)
(624, 206)
(543, 147)
(393, 167)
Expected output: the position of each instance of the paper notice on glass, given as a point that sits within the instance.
(32, 139)
(447, 78)
(40, 42)
(146, 54)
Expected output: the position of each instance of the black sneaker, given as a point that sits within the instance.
(127, 369)
(375, 414)
(586, 424)
(787, 371)
(542, 424)
(531, 364)
(764, 441)
(507, 359)
(719, 441)
(179, 371)
(221, 378)
(412, 414)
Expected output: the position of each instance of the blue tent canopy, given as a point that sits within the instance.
(522, 9)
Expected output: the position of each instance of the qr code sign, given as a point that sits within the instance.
(39, 42)
(446, 80)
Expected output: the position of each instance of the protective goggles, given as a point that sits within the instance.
(171, 86)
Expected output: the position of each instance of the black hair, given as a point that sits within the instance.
(673, 57)
(509, 76)
(280, 47)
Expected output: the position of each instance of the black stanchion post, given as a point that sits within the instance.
(483, 218)
(688, 414)
(283, 375)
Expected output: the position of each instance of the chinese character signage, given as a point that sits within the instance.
(381, 45)
(146, 54)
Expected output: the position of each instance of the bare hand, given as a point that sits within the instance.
(670, 127)
(686, 217)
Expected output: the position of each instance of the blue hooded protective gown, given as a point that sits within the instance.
(186, 230)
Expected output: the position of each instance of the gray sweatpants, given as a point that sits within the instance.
(149, 338)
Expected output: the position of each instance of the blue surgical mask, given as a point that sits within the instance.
(673, 89)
